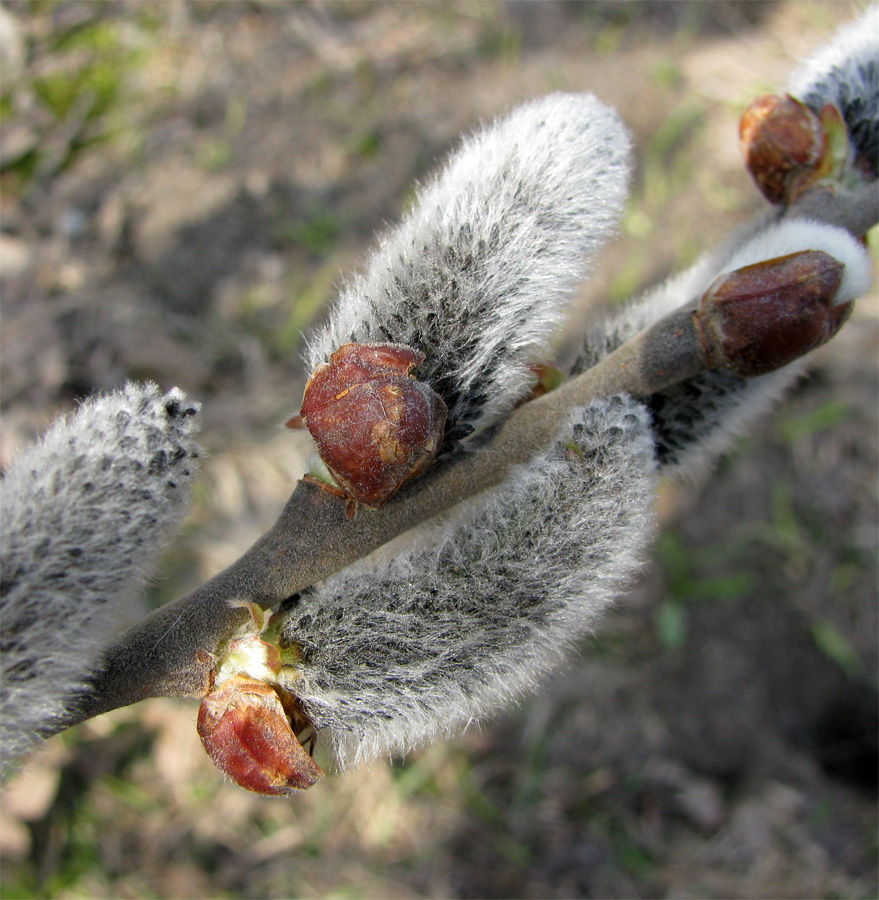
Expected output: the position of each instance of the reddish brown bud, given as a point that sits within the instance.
(247, 733)
(375, 426)
(549, 377)
(762, 317)
(785, 145)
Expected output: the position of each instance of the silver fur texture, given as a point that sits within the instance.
(472, 615)
(698, 419)
(85, 512)
(846, 74)
(479, 276)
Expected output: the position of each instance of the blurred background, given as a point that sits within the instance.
(183, 186)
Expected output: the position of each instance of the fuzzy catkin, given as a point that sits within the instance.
(697, 419)
(479, 275)
(472, 615)
(846, 74)
(85, 512)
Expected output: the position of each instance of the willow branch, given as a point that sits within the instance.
(164, 654)
(313, 537)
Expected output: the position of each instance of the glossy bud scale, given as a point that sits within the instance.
(761, 317)
(247, 733)
(375, 425)
(785, 144)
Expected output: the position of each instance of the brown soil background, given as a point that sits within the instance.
(183, 186)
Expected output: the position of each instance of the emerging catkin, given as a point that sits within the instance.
(479, 275)
(85, 512)
(475, 612)
(696, 420)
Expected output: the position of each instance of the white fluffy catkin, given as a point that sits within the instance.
(472, 615)
(478, 276)
(85, 512)
(846, 74)
(696, 420)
